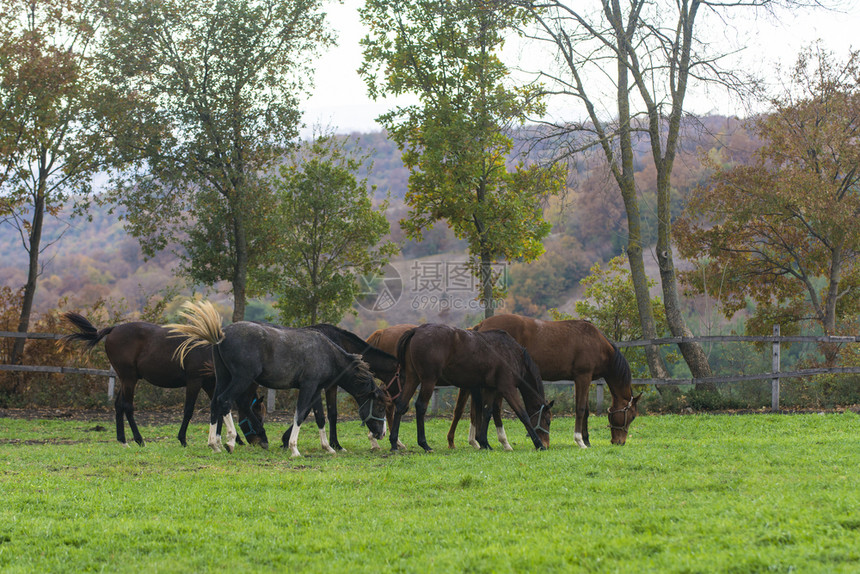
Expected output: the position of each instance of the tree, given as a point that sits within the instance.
(49, 148)
(610, 303)
(783, 231)
(205, 95)
(456, 141)
(329, 232)
(654, 52)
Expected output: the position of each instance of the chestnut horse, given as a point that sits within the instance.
(573, 350)
(141, 350)
(484, 363)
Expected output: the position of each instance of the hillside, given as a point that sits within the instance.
(88, 260)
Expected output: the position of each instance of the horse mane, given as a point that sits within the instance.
(204, 328)
(87, 332)
(533, 370)
(619, 366)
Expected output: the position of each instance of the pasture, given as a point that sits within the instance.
(699, 493)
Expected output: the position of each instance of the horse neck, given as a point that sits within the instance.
(357, 382)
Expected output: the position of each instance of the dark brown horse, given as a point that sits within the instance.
(485, 364)
(575, 350)
(386, 339)
(140, 350)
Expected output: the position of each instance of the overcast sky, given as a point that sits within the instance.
(340, 97)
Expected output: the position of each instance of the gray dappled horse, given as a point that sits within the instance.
(276, 358)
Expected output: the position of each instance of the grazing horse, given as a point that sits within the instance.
(486, 364)
(383, 366)
(574, 350)
(276, 358)
(386, 339)
(140, 350)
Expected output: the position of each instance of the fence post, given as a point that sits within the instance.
(270, 401)
(774, 382)
(111, 384)
(599, 398)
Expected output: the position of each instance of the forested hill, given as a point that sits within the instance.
(85, 260)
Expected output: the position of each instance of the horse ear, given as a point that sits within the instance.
(636, 398)
(552, 402)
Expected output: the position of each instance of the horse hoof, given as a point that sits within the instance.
(229, 448)
(125, 444)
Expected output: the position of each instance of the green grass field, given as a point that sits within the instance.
(751, 493)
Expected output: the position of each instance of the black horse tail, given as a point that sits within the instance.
(619, 368)
(86, 332)
(402, 343)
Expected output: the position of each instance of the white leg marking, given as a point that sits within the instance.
(472, 433)
(373, 444)
(503, 438)
(579, 441)
(324, 442)
(214, 439)
(231, 432)
(294, 439)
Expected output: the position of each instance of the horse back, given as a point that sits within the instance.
(142, 350)
(561, 349)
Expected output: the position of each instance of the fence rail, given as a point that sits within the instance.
(774, 376)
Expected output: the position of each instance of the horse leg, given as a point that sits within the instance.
(191, 392)
(476, 413)
(486, 400)
(500, 429)
(124, 406)
(308, 396)
(580, 428)
(510, 394)
(462, 397)
(421, 403)
(332, 444)
(231, 431)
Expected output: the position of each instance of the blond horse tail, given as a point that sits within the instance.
(203, 328)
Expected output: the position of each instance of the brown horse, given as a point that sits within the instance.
(574, 350)
(386, 339)
(140, 350)
(485, 364)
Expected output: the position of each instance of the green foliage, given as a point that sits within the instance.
(783, 230)
(204, 94)
(610, 303)
(455, 141)
(687, 494)
(329, 233)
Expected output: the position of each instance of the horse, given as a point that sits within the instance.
(383, 366)
(573, 350)
(386, 339)
(484, 363)
(141, 350)
(276, 358)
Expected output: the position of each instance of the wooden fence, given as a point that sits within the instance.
(774, 376)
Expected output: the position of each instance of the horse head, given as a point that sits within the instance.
(620, 416)
(541, 420)
(254, 436)
(372, 411)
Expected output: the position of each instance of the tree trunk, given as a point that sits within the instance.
(35, 241)
(627, 185)
(240, 275)
(487, 284)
